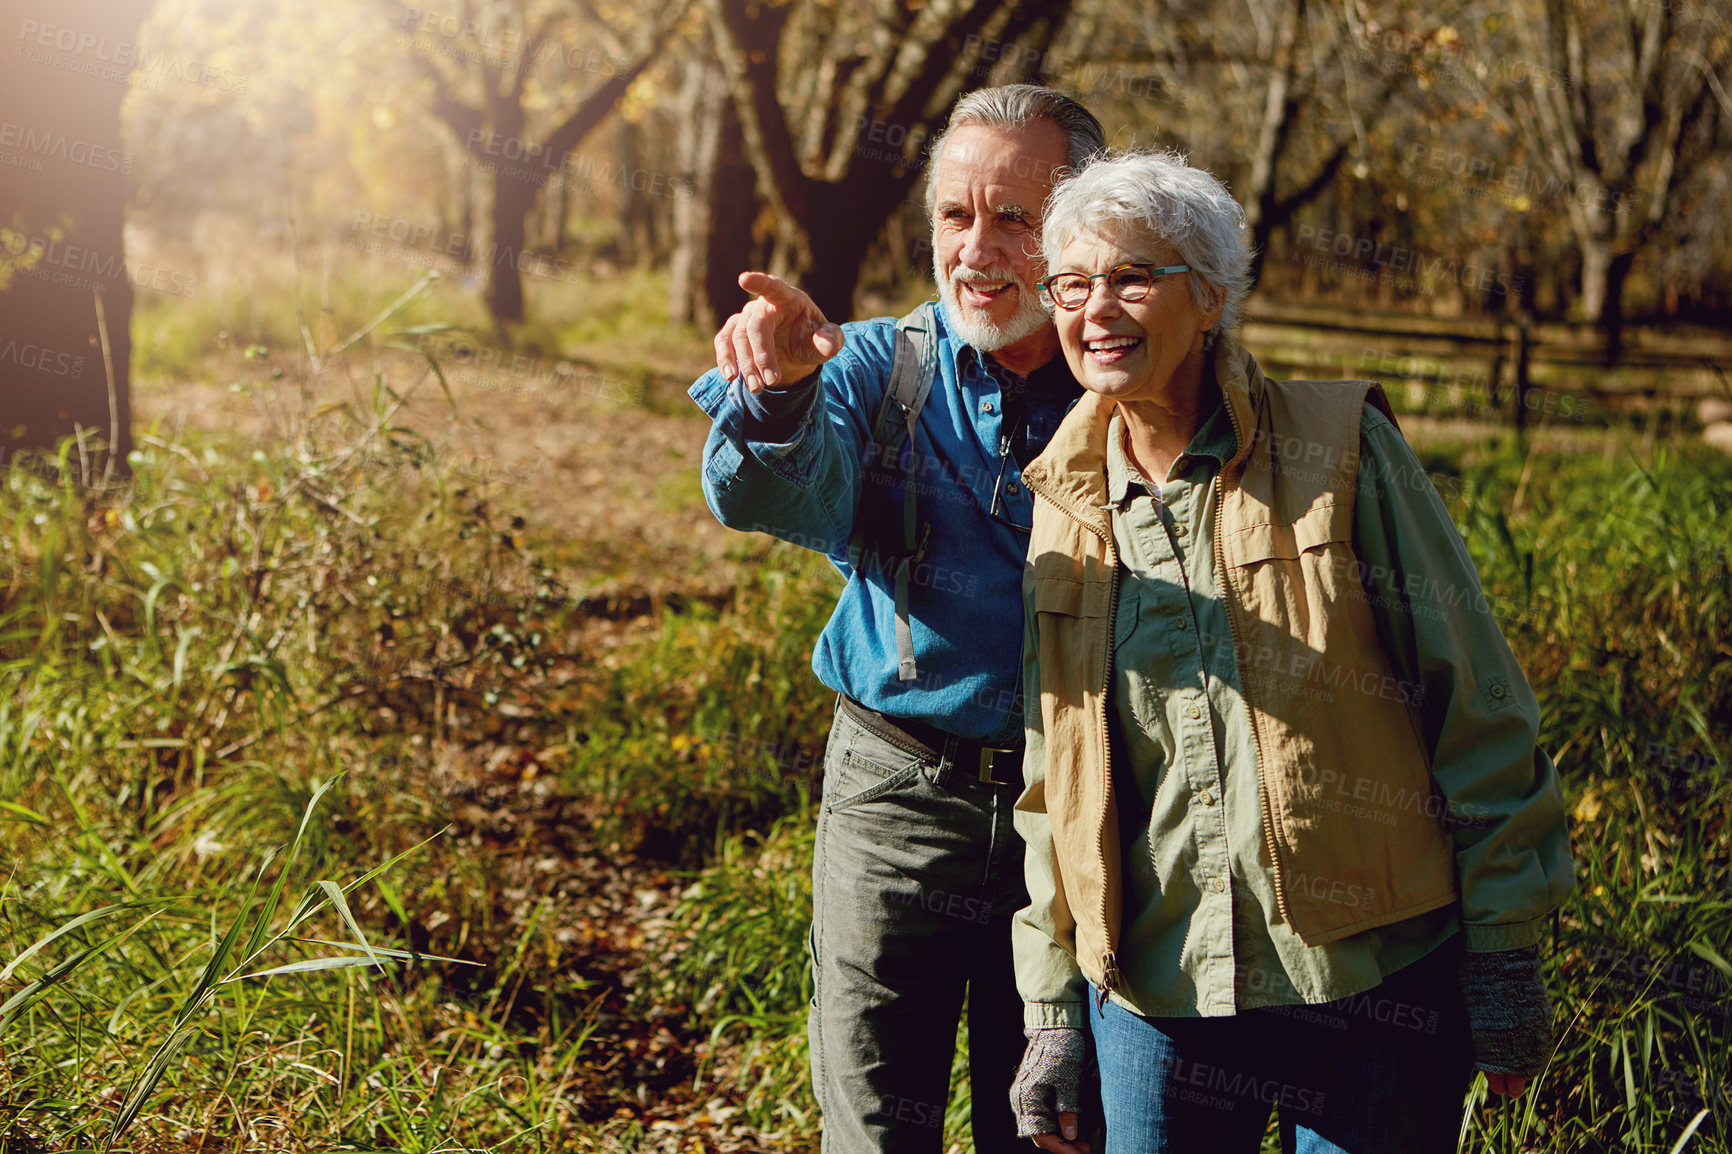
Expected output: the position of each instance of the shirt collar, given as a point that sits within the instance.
(1214, 439)
(1054, 376)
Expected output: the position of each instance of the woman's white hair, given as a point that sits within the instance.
(1158, 192)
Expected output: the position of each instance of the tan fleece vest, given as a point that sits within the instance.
(1343, 773)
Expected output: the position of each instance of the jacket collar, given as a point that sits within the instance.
(1072, 472)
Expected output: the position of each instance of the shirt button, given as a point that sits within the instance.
(1179, 529)
(986, 406)
(1011, 488)
(1194, 712)
(1219, 885)
(1181, 624)
(1206, 798)
(1498, 691)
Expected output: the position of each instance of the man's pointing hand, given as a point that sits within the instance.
(779, 339)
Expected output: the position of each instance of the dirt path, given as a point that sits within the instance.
(649, 1077)
(604, 470)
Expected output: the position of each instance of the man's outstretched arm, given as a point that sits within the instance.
(792, 416)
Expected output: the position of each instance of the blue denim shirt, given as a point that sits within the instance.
(785, 464)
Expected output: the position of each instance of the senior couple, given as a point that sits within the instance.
(1184, 782)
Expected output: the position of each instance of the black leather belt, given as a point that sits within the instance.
(981, 764)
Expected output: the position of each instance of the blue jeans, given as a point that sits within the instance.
(916, 875)
(1383, 1072)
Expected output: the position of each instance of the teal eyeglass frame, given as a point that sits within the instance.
(1155, 273)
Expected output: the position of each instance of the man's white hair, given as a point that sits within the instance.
(1184, 206)
(1014, 106)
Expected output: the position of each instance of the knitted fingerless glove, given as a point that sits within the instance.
(1048, 1082)
(1507, 1011)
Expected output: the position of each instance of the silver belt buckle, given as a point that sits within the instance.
(986, 755)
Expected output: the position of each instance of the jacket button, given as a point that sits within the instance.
(986, 406)
(1181, 624)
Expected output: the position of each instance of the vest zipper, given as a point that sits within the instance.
(1225, 577)
(1110, 978)
(1109, 959)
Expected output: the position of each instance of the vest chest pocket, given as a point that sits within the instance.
(1069, 597)
(1270, 540)
(1301, 576)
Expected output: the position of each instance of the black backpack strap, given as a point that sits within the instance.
(913, 367)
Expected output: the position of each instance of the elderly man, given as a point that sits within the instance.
(918, 869)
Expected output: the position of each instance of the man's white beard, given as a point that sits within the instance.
(976, 329)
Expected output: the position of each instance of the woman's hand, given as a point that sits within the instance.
(1066, 1144)
(1044, 1095)
(1508, 1015)
(1509, 1085)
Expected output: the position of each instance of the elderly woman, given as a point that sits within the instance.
(1290, 842)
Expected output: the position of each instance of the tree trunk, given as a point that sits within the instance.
(839, 240)
(718, 202)
(1611, 317)
(1596, 266)
(512, 200)
(734, 207)
(64, 245)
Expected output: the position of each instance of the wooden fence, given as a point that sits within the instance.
(1499, 368)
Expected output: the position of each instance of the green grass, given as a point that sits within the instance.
(247, 673)
(223, 688)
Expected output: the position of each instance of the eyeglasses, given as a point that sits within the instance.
(1129, 282)
(1000, 510)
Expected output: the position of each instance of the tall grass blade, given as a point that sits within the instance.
(81, 920)
(335, 895)
(1689, 1131)
(179, 1032)
(307, 966)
